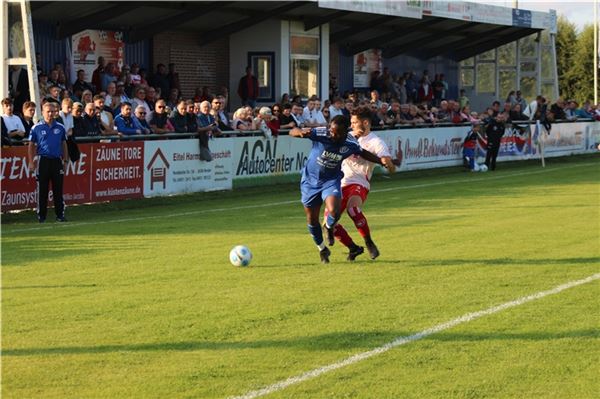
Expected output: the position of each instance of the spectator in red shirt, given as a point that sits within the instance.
(248, 88)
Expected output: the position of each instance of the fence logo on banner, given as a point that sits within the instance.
(158, 167)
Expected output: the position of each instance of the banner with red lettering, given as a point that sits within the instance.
(105, 172)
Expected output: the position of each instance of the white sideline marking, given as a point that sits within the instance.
(296, 201)
(278, 386)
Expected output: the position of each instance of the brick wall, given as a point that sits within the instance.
(197, 66)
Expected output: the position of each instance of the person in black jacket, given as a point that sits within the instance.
(494, 130)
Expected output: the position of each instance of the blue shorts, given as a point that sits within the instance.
(312, 196)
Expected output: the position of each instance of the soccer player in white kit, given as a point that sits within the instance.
(356, 182)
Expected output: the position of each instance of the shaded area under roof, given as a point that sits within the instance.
(351, 31)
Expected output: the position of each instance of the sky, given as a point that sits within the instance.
(578, 12)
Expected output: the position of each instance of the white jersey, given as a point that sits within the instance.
(358, 170)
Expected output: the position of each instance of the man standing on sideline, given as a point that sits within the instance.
(48, 139)
(248, 88)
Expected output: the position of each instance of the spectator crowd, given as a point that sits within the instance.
(129, 102)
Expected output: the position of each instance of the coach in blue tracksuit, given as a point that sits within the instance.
(48, 139)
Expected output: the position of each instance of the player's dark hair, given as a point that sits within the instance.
(343, 124)
(362, 113)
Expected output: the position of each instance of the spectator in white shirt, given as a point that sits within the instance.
(66, 115)
(336, 107)
(14, 126)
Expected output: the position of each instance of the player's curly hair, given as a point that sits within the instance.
(362, 113)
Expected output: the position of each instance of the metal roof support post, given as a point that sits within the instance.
(554, 67)
(4, 50)
(499, 95)
(32, 76)
(538, 67)
(518, 62)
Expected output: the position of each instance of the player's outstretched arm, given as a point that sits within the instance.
(297, 132)
(385, 161)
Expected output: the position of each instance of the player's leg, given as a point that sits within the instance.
(332, 196)
(311, 199)
(354, 209)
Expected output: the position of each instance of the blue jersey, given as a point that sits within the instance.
(49, 139)
(324, 165)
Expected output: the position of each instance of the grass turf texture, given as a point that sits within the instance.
(152, 308)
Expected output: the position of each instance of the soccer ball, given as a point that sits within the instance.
(240, 255)
(483, 168)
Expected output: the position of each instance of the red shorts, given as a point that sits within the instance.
(350, 191)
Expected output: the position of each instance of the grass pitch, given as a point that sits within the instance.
(137, 299)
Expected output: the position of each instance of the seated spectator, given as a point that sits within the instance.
(151, 97)
(375, 99)
(309, 114)
(286, 120)
(218, 113)
(111, 99)
(126, 124)
(262, 122)
(405, 116)
(27, 117)
(80, 85)
(173, 99)
(123, 97)
(91, 121)
(467, 115)
(144, 78)
(392, 116)
(140, 116)
(507, 107)
(206, 121)
(515, 113)
(86, 97)
(79, 124)
(107, 76)
(192, 117)
(276, 110)
(159, 122)
(106, 117)
(178, 117)
(239, 121)
(285, 99)
(66, 116)
(14, 127)
(43, 84)
(136, 79)
(140, 99)
(558, 109)
(336, 107)
(320, 119)
(326, 114)
(53, 94)
(455, 115)
(297, 115)
(414, 115)
(424, 113)
(443, 114)
(578, 113)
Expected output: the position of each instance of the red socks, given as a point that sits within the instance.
(360, 221)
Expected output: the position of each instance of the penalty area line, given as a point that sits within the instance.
(296, 201)
(309, 375)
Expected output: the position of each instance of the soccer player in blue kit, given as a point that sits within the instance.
(322, 175)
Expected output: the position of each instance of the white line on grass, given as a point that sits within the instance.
(278, 386)
(202, 211)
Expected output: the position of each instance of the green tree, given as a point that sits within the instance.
(566, 39)
(581, 71)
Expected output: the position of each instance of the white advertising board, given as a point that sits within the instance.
(174, 166)
(257, 156)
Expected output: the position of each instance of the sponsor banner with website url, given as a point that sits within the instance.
(174, 166)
